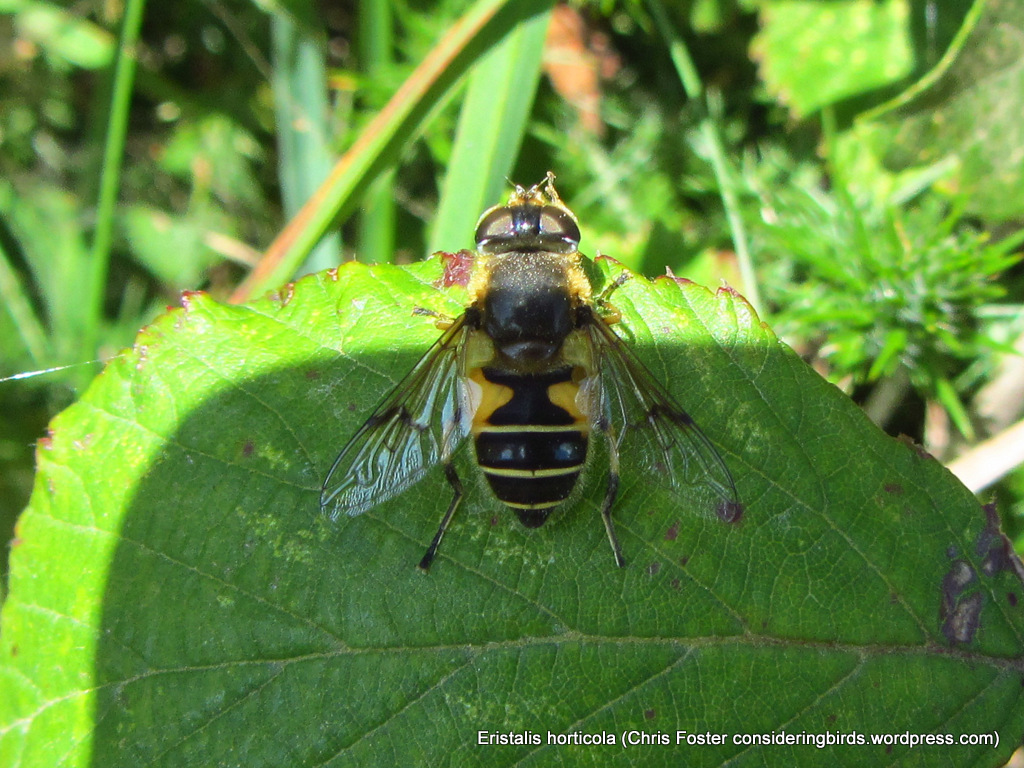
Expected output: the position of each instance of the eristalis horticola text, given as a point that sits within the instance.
(531, 370)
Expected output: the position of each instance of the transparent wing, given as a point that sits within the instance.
(642, 420)
(420, 423)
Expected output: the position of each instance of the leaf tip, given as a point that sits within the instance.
(670, 275)
(603, 258)
(188, 300)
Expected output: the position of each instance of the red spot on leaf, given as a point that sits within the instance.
(458, 267)
(187, 299)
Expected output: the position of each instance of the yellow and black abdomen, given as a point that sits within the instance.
(531, 440)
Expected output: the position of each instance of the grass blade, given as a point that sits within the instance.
(380, 143)
(110, 175)
(491, 127)
(300, 105)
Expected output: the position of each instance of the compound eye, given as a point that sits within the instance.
(558, 227)
(521, 228)
(497, 225)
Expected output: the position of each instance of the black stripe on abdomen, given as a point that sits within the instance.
(530, 449)
(532, 469)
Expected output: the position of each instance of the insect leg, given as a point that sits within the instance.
(456, 484)
(442, 322)
(609, 314)
(622, 278)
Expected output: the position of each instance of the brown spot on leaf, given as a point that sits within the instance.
(729, 511)
(312, 374)
(959, 576)
(649, 714)
(962, 623)
(921, 452)
(1011, 598)
(676, 584)
(896, 489)
(284, 294)
(960, 612)
(994, 548)
(672, 532)
(248, 448)
(653, 568)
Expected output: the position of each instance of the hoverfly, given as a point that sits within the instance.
(531, 369)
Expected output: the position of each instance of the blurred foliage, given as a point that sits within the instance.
(878, 287)
(873, 271)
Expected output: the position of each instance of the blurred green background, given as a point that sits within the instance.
(854, 167)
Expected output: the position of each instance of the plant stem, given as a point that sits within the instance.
(377, 218)
(110, 175)
(710, 107)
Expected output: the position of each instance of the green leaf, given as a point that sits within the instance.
(813, 54)
(63, 34)
(21, 328)
(172, 247)
(968, 108)
(178, 599)
(45, 226)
